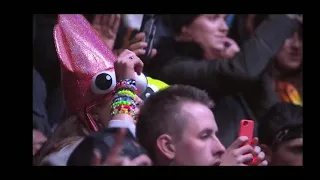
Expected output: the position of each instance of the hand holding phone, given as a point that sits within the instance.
(239, 153)
(247, 129)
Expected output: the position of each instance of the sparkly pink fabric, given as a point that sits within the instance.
(82, 55)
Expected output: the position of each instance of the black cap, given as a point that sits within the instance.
(282, 117)
(176, 21)
(103, 141)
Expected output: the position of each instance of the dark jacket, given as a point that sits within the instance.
(103, 141)
(40, 117)
(239, 86)
(45, 61)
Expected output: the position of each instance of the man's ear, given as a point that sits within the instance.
(165, 146)
(267, 151)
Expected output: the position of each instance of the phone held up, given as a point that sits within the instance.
(148, 26)
(246, 129)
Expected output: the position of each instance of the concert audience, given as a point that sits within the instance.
(286, 66)
(252, 72)
(203, 56)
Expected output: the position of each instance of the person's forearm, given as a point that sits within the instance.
(256, 53)
(123, 106)
(129, 124)
(245, 68)
(276, 30)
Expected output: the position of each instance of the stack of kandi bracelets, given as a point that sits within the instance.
(125, 98)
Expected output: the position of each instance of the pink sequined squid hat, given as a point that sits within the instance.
(87, 66)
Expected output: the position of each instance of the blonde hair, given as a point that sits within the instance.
(69, 131)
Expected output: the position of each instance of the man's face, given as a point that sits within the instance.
(210, 31)
(288, 153)
(290, 55)
(199, 145)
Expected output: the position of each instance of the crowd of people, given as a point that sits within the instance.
(104, 95)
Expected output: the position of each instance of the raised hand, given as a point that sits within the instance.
(114, 158)
(137, 45)
(107, 25)
(127, 64)
(259, 156)
(231, 49)
(237, 154)
(296, 16)
(38, 140)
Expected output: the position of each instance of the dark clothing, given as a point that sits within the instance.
(161, 32)
(177, 21)
(103, 141)
(239, 86)
(40, 117)
(56, 106)
(45, 58)
(46, 62)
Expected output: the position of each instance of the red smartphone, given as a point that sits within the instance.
(246, 129)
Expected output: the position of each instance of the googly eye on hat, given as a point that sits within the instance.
(141, 83)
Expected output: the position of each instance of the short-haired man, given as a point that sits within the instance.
(177, 127)
(281, 136)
